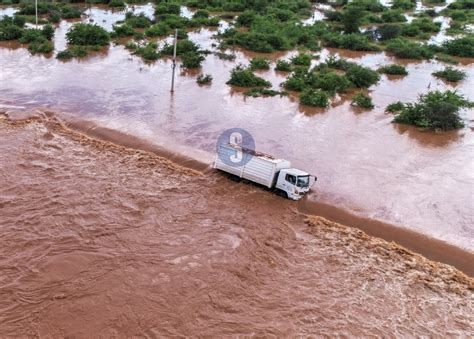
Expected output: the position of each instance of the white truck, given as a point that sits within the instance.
(275, 174)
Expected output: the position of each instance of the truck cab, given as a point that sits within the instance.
(294, 182)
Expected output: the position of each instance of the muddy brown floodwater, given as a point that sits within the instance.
(366, 165)
(100, 240)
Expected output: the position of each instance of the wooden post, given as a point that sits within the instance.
(174, 59)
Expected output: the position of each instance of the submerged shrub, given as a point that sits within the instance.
(403, 48)
(159, 29)
(301, 60)
(395, 107)
(87, 35)
(204, 79)
(450, 74)
(259, 63)
(123, 31)
(435, 110)
(295, 83)
(462, 47)
(44, 46)
(117, 3)
(243, 77)
(388, 31)
(137, 21)
(363, 101)
(264, 92)
(283, 65)
(10, 31)
(182, 47)
(354, 41)
(315, 98)
(361, 76)
(168, 8)
(393, 69)
(393, 15)
(330, 82)
(404, 4)
(192, 60)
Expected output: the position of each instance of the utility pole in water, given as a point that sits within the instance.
(36, 12)
(174, 59)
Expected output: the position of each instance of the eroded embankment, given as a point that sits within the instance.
(100, 238)
(431, 248)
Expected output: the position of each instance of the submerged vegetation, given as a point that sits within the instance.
(393, 69)
(243, 77)
(267, 26)
(451, 74)
(82, 39)
(363, 101)
(37, 40)
(435, 110)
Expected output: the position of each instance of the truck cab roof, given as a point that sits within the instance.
(295, 171)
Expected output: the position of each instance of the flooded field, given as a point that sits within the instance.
(132, 245)
(366, 164)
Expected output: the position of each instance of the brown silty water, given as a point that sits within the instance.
(98, 240)
(366, 164)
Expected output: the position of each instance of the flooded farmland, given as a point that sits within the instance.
(132, 244)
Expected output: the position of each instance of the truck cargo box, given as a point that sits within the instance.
(255, 166)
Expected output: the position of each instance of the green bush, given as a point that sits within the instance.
(355, 42)
(393, 15)
(246, 18)
(388, 31)
(44, 46)
(117, 3)
(393, 69)
(315, 98)
(363, 101)
(68, 12)
(295, 83)
(159, 29)
(330, 82)
(76, 51)
(87, 35)
(48, 32)
(361, 76)
(301, 60)
(450, 74)
(259, 63)
(192, 60)
(30, 35)
(123, 31)
(264, 92)
(404, 4)
(403, 48)
(137, 21)
(435, 110)
(352, 18)
(11, 28)
(204, 79)
(182, 47)
(462, 47)
(243, 77)
(283, 65)
(168, 8)
(395, 107)
(201, 14)
(148, 52)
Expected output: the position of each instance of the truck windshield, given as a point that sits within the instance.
(303, 181)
